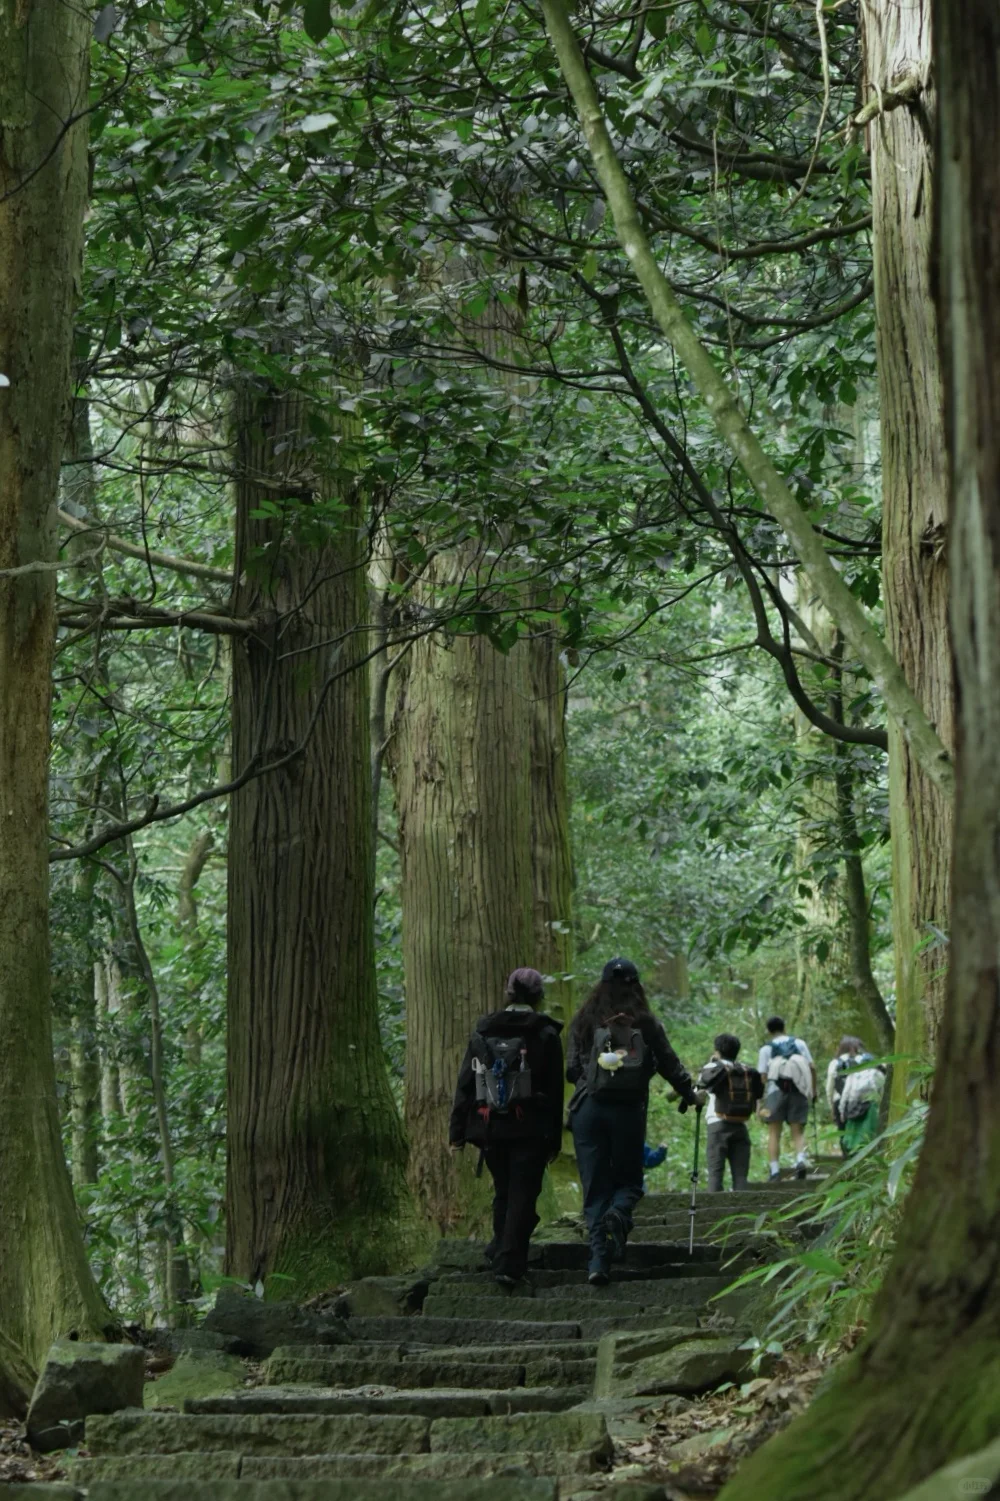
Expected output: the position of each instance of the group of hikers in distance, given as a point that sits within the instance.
(509, 1102)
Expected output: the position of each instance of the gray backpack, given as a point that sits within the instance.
(503, 1076)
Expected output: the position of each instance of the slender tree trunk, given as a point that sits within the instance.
(111, 1096)
(84, 1056)
(876, 1027)
(897, 46)
(928, 1373)
(460, 758)
(45, 1283)
(187, 920)
(315, 1182)
(551, 852)
(177, 1280)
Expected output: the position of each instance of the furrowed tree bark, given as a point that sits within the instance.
(460, 759)
(731, 422)
(928, 1372)
(46, 1288)
(897, 46)
(315, 1152)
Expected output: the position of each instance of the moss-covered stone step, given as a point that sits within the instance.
(319, 1371)
(136, 1432)
(667, 1271)
(562, 1350)
(222, 1464)
(685, 1292)
(719, 1230)
(38, 1491)
(522, 1432)
(515, 1488)
(656, 1363)
(626, 1299)
(442, 1466)
(573, 1255)
(557, 1373)
(727, 1202)
(434, 1402)
(502, 1333)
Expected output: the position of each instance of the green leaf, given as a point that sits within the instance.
(656, 22)
(896, 1171)
(822, 1261)
(317, 19)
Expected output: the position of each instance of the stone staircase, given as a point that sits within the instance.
(479, 1396)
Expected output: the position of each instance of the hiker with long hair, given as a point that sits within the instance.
(615, 1046)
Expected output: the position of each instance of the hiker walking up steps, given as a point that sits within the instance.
(615, 1046)
(854, 1085)
(509, 1103)
(786, 1064)
(733, 1090)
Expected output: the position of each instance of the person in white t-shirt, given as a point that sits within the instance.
(786, 1064)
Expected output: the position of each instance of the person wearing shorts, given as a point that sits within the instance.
(787, 1098)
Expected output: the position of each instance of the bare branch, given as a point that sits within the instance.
(147, 555)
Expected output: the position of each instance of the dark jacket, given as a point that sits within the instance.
(541, 1115)
(661, 1059)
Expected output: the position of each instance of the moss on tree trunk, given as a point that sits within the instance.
(924, 1388)
(315, 1150)
(46, 1288)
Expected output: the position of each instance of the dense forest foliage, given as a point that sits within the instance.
(475, 492)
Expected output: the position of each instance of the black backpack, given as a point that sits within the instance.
(629, 1082)
(503, 1074)
(736, 1086)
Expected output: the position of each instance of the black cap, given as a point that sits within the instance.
(620, 969)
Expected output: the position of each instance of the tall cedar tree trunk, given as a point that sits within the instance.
(460, 760)
(928, 1373)
(897, 44)
(551, 855)
(46, 1288)
(315, 1152)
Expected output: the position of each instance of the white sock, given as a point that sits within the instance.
(802, 1157)
(775, 1166)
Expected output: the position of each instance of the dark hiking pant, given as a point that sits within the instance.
(517, 1169)
(609, 1140)
(728, 1141)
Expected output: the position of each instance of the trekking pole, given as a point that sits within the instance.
(694, 1178)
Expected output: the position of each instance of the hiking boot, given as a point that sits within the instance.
(617, 1228)
(598, 1274)
(504, 1279)
(801, 1169)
